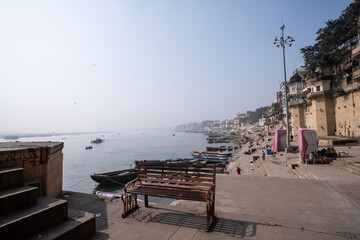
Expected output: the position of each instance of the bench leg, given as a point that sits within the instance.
(146, 200)
(130, 204)
(210, 209)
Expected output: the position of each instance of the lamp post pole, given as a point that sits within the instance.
(282, 42)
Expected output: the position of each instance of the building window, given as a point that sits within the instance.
(317, 88)
(347, 60)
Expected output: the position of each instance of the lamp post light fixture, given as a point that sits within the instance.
(281, 42)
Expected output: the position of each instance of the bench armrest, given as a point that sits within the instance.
(211, 190)
(130, 184)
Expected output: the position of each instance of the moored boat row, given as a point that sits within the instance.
(221, 148)
(212, 158)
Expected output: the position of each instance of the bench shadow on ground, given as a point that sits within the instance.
(233, 228)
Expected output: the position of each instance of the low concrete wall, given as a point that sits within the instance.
(42, 161)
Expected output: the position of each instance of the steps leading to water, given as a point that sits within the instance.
(11, 177)
(24, 214)
(80, 225)
(353, 167)
(17, 198)
(29, 221)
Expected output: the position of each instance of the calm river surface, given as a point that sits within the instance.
(117, 152)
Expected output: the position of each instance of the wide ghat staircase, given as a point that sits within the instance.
(25, 215)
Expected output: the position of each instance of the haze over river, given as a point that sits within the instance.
(118, 151)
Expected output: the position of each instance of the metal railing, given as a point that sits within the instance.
(356, 68)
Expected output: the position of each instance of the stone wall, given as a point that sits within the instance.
(42, 161)
(347, 114)
(323, 115)
(297, 118)
(309, 118)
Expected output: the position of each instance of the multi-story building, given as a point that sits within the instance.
(329, 103)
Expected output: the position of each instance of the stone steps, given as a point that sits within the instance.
(14, 199)
(356, 164)
(33, 183)
(26, 222)
(353, 168)
(80, 225)
(303, 173)
(24, 214)
(11, 177)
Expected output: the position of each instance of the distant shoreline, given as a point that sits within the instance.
(10, 136)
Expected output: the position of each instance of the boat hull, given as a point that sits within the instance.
(115, 178)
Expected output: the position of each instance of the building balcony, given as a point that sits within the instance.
(316, 94)
(296, 93)
(323, 78)
(356, 51)
(356, 73)
(296, 102)
(352, 87)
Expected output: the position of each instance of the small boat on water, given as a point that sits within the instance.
(97, 140)
(88, 147)
(115, 178)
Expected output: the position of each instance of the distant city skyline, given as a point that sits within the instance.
(85, 66)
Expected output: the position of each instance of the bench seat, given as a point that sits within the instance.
(174, 192)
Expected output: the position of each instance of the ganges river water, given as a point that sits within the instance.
(118, 151)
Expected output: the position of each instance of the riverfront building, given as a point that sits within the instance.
(330, 103)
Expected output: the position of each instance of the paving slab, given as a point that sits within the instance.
(247, 207)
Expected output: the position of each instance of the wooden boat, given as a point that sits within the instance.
(210, 154)
(212, 149)
(88, 147)
(214, 158)
(222, 148)
(115, 178)
(97, 140)
(177, 160)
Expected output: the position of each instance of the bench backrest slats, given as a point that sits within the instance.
(177, 177)
(174, 181)
(179, 168)
(205, 176)
(177, 174)
(172, 186)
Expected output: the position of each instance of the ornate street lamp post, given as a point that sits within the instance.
(282, 42)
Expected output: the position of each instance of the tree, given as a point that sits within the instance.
(331, 40)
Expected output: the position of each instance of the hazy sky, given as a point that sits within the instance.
(109, 65)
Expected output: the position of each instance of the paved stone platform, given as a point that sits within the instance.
(247, 207)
